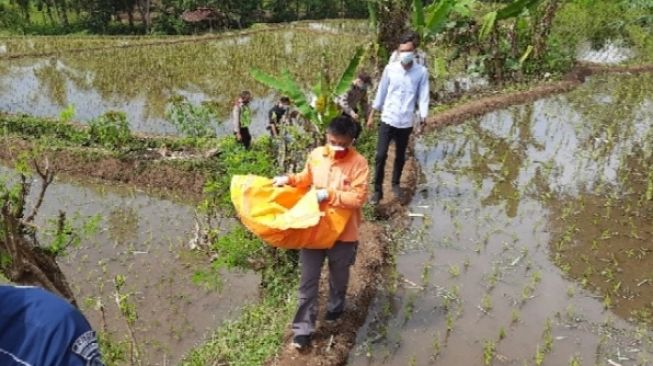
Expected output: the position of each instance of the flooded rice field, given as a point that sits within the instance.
(530, 241)
(141, 80)
(145, 240)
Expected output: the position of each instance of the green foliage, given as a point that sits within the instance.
(259, 160)
(236, 248)
(190, 120)
(324, 108)
(67, 115)
(110, 130)
(65, 234)
(257, 333)
(431, 20)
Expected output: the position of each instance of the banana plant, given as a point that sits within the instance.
(511, 10)
(324, 108)
(431, 20)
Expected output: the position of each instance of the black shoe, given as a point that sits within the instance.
(332, 316)
(376, 198)
(301, 341)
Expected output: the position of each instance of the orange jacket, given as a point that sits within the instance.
(345, 179)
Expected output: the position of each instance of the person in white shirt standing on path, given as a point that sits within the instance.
(404, 85)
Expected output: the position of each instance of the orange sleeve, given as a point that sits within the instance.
(355, 197)
(304, 178)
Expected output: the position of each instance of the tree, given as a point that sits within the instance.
(22, 257)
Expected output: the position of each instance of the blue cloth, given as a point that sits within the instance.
(38, 328)
(399, 91)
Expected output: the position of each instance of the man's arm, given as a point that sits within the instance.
(423, 95)
(342, 101)
(379, 100)
(304, 178)
(235, 118)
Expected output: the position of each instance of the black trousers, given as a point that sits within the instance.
(246, 138)
(400, 136)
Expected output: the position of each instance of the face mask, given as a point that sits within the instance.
(406, 57)
(339, 151)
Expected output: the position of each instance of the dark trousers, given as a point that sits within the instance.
(401, 136)
(246, 138)
(341, 256)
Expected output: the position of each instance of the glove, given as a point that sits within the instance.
(280, 181)
(322, 194)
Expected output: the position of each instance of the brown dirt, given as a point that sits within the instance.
(332, 342)
(154, 176)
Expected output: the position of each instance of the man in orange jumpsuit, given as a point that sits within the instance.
(340, 175)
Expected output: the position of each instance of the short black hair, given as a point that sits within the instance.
(365, 77)
(245, 94)
(285, 100)
(343, 125)
(410, 36)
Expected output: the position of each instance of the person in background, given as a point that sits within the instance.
(354, 100)
(403, 85)
(42, 329)
(277, 114)
(420, 56)
(340, 175)
(241, 116)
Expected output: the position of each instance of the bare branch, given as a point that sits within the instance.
(47, 176)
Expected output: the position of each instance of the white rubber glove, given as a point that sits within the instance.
(280, 181)
(322, 194)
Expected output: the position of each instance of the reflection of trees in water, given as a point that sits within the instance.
(489, 151)
(123, 224)
(218, 69)
(610, 107)
(52, 81)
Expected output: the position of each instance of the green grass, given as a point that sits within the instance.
(257, 334)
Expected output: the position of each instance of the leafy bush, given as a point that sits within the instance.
(110, 130)
(190, 120)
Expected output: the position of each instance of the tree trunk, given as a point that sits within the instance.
(542, 29)
(393, 18)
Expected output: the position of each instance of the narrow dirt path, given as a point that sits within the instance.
(332, 343)
(154, 176)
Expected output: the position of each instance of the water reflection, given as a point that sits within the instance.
(141, 80)
(517, 206)
(144, 239)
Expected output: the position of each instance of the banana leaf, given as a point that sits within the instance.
(437, 18)
(515, 8)
(489, 20)
(371, 9)
(418, 14)
(289, 87)
(349, 74)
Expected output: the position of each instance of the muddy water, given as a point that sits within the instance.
(479, 272)
(145, 240)
(141, 80)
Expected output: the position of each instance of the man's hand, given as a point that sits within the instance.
(239, 137)
(322, 194)
(280, 181)
(420, 126)
(354, 115)
(370, 121)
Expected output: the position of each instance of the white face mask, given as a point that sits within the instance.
(337, 148)
(406, 57)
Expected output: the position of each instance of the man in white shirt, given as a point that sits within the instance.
(420, 56)
(404, 85)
